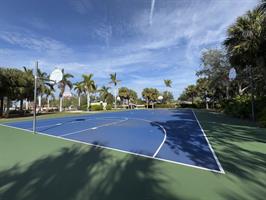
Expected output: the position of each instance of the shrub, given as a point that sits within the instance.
(262, 118)
(186, 105)
(96, 107)
(238, 106)
(83, 107)
(164, 105)
(109, 107)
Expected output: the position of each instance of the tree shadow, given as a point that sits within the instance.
(84, 173)
(186, 142)
(238, 147)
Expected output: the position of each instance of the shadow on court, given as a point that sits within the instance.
(239, 148)
(88, 173)
(186, 141)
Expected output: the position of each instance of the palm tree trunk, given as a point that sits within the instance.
(115, 99)
(27, 104)
(48, 103)
(79, 103)
(227, 91)
(88, 101)
(60, 104)
(21, 104)
(7, 106)
(40, 102)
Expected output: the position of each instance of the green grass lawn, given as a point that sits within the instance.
(36, 167)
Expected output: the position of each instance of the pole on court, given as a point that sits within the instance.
(35, 97)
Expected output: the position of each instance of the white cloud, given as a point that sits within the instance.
(32, 42)
(170, 47)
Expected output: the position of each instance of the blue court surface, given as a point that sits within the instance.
(169, 135)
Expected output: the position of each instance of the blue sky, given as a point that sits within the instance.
(144, 41)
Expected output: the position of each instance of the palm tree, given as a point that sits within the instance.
(150, 95)
(89, 86)
(79, 88)
(262, 6)
(191, 92)
(49, 93)
(244, 44)
(115, 82)
(244, 39)
(104, 92)
(42, 83)
(168, 83)
(62, 86)
(29, 88)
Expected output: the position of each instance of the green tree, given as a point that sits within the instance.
(168, 83)
(114, 81)
(150, 95)
(104, 93)
(29, 87)
(245, 44)
(216, 69)
(262, 6)
(78, 87)
(191, 92)
(167, 94)
(167, 97)
(89, 87)
(127, 95)
(245, 41)
(49, 92)
(65, 82)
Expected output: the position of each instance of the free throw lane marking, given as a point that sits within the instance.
(93, 128)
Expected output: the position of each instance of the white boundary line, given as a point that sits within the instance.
(164, 131)
(213, 153)
(113, 123)
(93, 128)
(118, 150)
(72, 122)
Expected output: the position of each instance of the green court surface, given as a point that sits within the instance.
(40, 167)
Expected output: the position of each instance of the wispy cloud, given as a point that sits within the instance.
(81, 6)
(151, 11)
(141, 45)
(32, 42)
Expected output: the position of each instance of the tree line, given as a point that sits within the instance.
(18, 85)
(243, 52)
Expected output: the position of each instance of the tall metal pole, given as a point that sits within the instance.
(35, 97)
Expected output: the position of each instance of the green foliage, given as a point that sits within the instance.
(83, 107)
(238, 106)
(114, 80)
(262, 117)
(168, 83)
(150, 94)
(104, 93)
(159, 105)
(194, 105)
(109, 107)
(127, 94)
(167, 97)
(96, 107)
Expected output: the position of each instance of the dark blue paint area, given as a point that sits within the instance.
(137, 131)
